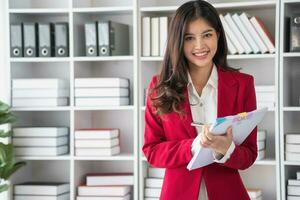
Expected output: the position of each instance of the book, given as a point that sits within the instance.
(113, 191)
(97, 151)
(40, 93)
(41, 151)
(291, 156)
(242, 125)
(40, 142)
(231, 47)
(245, 33)
(163, 34)
(40, 131)
(293, 148)
(293, 190)
(156, 172)
(292, 138)
(146, 36)
(153, 182)
(65, 196)
(126, 197)
(152, 192)
(231, 35)
(261, 135)
(101, 82)
(237, 33)
(39, 83)
(96, 143)
(28, 102)
(104, 101)
(109, 179)
(101, 92)
(294, 182)
(244, 18)
(263, 33)
(97, 133)
(265, 88)
(254, 193)
(155, 36)
(41, 188)
(261, 145)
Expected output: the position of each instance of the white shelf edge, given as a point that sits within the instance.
(62, 157)
(61, 108)
(291, 54)
(39, 59)
(250, 4)
(291, 108)
(124, 156)
(106, 58)
(130, 107)
(103, 9)
(38, 10)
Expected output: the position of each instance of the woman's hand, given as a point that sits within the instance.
(218, 143)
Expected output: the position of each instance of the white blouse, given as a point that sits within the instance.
(204, 110)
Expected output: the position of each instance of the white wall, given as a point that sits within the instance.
(3, 53)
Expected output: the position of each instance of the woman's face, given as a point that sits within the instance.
(200, 43)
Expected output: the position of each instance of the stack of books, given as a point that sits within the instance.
(97, 142)
(265, 96)
(39, 92)
(101, 91)
(113, 186)
(40, 141)
(153, 183)
(293, 188)
(154, 35)
(42, 190)
(246, 34)
(255, 194)
(292, 147)
(261, 144)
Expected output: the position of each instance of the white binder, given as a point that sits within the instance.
(242, 125)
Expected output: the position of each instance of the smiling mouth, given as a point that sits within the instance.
(201, 54)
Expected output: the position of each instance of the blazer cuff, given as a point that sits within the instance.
(219, 158)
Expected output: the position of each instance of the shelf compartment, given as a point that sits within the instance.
(45, 4)
(102, 3)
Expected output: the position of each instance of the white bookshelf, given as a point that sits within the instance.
(269, 174)
(289, 95)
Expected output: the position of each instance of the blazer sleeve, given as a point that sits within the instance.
(158, 150)
(244, 155)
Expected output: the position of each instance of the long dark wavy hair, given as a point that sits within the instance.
(173, 75)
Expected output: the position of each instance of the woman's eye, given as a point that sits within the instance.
(188, 38)
(207, 35)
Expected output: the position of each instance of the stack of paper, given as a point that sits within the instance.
(101, 91)
(265, 96)
(39, 92)
(261, 144)
(255, 194)
(42, 190)
(153, 183)
(40, 141)
(112, 186)
(97, 142)
(293, 188)
(292, 147)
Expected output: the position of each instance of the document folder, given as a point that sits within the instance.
(242, 125)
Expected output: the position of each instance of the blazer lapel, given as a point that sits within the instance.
(227, 93)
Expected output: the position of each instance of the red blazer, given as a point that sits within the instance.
(167, 144)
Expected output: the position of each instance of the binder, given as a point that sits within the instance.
(242, 125)
(44, 39)
(61, 35)
(16, 40)
(113, 38)
(91, 46)
(30, 41)
(295, 33)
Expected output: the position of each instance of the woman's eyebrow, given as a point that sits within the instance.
(206, 31)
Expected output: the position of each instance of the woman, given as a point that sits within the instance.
(197, 85)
